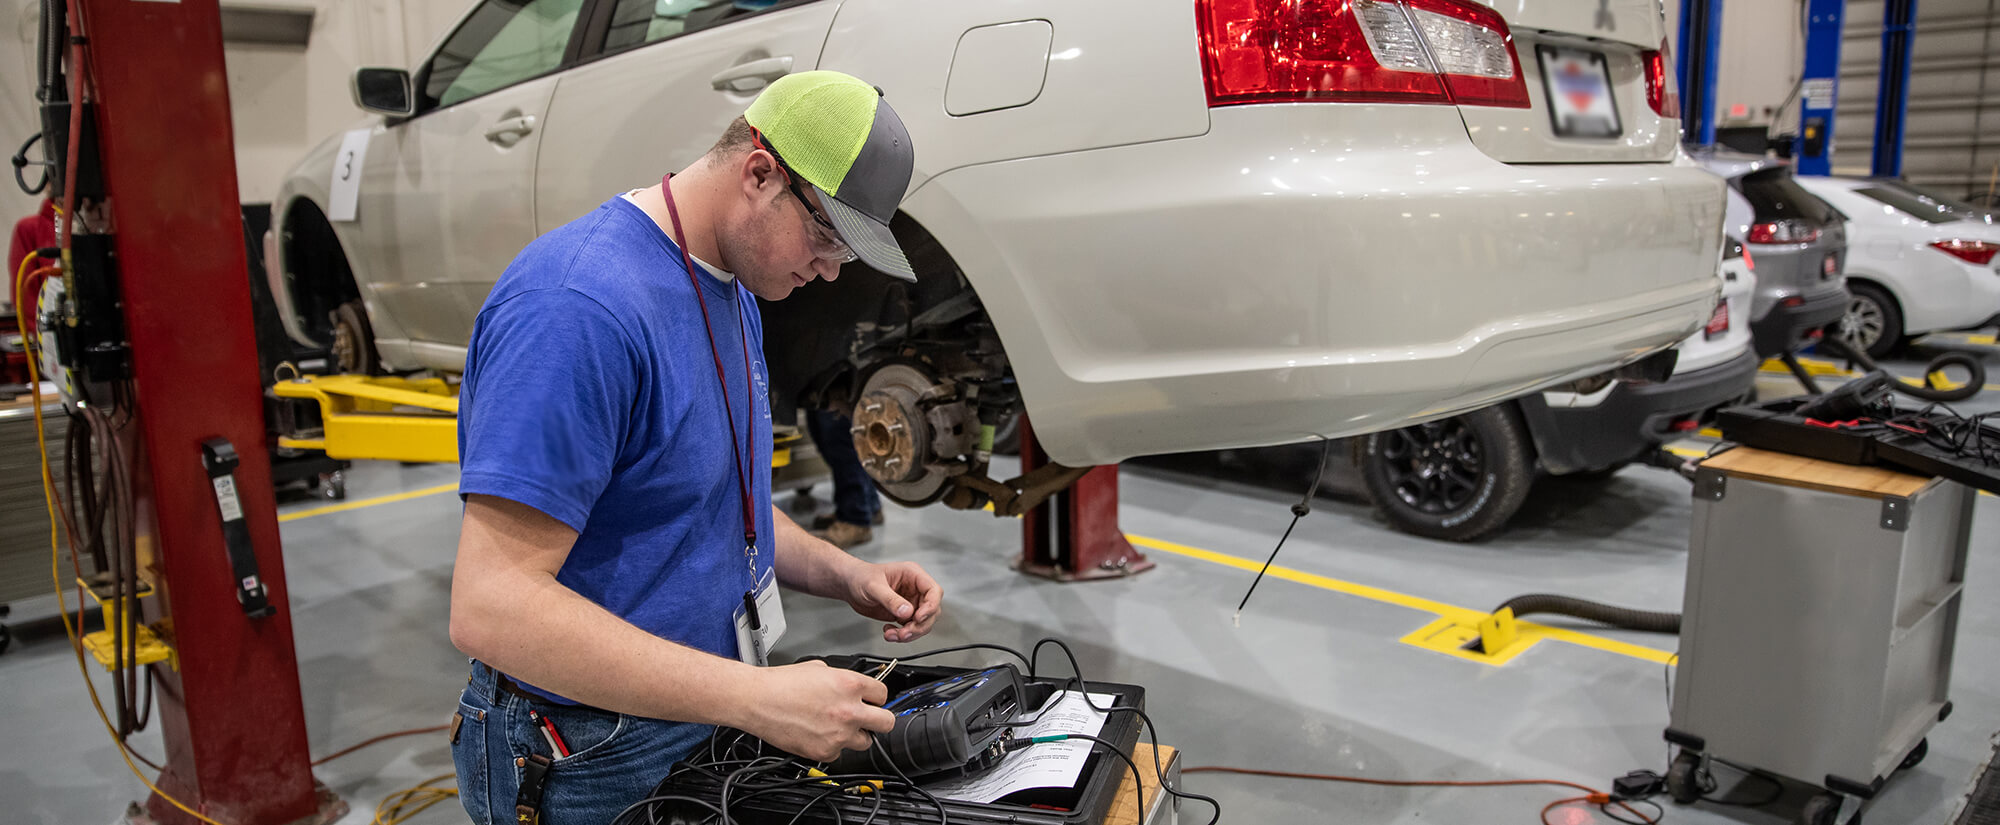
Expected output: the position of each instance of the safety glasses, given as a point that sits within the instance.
(821, 237)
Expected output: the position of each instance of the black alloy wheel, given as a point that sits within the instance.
(1458, 479)
(1436, 467)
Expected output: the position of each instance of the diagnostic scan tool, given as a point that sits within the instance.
(953, 726)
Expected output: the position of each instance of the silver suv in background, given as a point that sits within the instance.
(1799, 244)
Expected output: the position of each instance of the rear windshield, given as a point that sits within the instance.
(1923, 209)
(1928, 209)
(1938, 195)
(1774, 196)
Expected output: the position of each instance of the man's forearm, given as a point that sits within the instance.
(579, 650)
(808, 564)
(508, 610)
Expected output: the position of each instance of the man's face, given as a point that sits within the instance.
(767, 242)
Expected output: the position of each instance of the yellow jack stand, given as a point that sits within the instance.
(102, 644)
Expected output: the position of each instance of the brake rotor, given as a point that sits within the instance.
(893, 436)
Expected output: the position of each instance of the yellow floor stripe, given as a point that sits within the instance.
(368, 502)
(1447, 613)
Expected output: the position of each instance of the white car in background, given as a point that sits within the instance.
(1156, 225)
(1915, 263)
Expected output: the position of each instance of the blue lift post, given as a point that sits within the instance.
(1892, 97)
(1819, 87)
(1700, 43)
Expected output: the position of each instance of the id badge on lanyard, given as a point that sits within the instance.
(760, 622)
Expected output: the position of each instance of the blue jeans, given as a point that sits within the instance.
(854, 498)
(615, 759)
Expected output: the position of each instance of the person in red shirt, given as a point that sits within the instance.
(37, 231)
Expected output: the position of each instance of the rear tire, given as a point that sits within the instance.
(1459, 479)
(1873, 323)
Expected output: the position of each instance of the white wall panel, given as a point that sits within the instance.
(19, 116)
(283, 99)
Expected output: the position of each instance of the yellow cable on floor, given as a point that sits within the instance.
(55, 545)
(395, 808)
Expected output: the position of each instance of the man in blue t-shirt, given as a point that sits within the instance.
(618, 566)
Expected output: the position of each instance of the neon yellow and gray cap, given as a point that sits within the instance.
(841, 136)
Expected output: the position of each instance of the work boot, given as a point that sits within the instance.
(825, 520)
(843, 535)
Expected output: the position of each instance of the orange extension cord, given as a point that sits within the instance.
(1591, 795)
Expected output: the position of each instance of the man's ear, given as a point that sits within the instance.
(761, 177)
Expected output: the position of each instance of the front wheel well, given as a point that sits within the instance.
(820, 342)
(1864, 280)
(317, 276)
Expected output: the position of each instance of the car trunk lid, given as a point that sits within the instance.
(1586, 64)
(1606, 83)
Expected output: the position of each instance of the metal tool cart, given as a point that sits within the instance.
(1821, 611)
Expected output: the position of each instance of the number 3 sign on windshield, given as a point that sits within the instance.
(345, 188)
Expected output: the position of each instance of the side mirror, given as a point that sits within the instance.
(384, 91)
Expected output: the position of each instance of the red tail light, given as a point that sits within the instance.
(1783, 232)
(1718, 322)
(1749, 263)
(1660, 91)
(1977, 253)
(1393, 51)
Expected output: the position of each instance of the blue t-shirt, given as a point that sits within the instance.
(590, 394)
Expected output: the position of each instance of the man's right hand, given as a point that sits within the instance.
(816, 711)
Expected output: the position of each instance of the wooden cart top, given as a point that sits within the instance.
(1814, 474)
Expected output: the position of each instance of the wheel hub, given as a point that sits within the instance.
(911, 431)
(1436, 470)
(885, 428)
(345, 352)
(1863, 323)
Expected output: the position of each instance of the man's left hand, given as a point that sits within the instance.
(899, 593)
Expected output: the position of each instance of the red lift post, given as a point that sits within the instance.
(231, 712)
(1074, 535)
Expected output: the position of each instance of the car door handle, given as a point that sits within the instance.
(511, 129)
(751, 76)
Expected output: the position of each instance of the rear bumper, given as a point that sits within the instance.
(1786, 327)
(1315, 270)
(1634, 418)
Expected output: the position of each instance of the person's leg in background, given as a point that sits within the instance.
(856, 504)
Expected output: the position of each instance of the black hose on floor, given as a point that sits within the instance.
(1599, 612)
(1975, 381)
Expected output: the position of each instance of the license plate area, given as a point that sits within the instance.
(1577, 83)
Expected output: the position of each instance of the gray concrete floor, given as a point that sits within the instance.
(1311, 680)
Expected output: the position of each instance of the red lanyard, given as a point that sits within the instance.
(749, 401)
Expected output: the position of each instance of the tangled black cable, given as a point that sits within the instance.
(734, 769)
(1936, 424)
(1960, 435)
